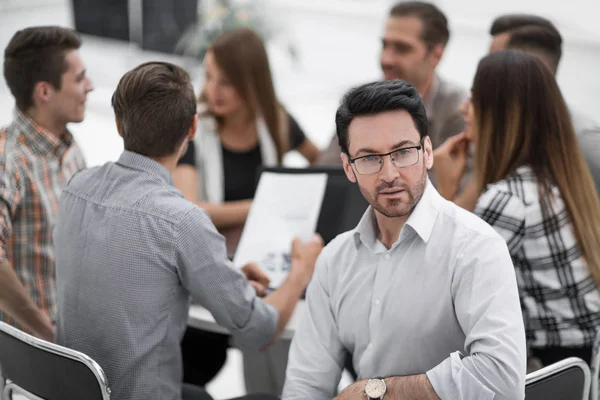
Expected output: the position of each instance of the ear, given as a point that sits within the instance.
(348, 168)
(427, 152)
(42, 92)
(118, 127)
(193, 128)
(436, 53)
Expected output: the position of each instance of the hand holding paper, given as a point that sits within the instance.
(285, 207)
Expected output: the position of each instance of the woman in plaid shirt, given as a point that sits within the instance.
(533, 186)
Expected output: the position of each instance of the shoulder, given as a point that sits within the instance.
(464, 224)
(507, 203)
(451, 92)
(13, 156)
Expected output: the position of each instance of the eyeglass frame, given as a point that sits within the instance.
(383, 155)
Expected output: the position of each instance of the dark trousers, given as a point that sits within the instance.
(550, 355)
(203, 354)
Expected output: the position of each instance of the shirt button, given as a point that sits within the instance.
(370, 346)
(377, 302)
(387, 256)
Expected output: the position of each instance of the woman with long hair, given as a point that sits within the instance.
(534, 187)
(242, 127)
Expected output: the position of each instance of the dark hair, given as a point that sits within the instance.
(35, 55)
(378, 97)
(509, 22)
(155, 105)
(521, 119)
(533, 34)
(435, 24)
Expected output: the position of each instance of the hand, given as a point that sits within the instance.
(257, 278)
(304, 256)
(449, 164)
(356, 391)
(47, 328)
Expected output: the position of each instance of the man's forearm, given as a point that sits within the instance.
(411, 387)
(284, 299)
(17, 303)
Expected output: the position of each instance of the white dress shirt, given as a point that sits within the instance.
(442, 301)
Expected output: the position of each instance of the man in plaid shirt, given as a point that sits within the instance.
(38, 156)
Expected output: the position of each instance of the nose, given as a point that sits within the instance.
(388, 172)
(386, 56)
(464, 108)
(90, 85)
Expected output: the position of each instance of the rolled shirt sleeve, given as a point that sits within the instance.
(316, 356)
(487, 307)
(10, 196)
(220, 287)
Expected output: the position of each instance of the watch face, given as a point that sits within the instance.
(375, 388)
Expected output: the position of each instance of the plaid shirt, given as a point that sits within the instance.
(35, 166)
(559, 298)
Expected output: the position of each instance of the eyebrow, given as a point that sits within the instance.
(397, 146)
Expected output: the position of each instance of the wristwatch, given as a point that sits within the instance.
(375, 389)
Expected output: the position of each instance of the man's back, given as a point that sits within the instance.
(120, 299)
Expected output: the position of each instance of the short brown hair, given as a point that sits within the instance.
(35, 55)
(154, 104)
(435, 25)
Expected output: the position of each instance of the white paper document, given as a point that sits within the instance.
(285, 206)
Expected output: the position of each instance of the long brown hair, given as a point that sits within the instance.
(522, 119)
(241, 54)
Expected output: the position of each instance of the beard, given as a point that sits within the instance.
(397, 207)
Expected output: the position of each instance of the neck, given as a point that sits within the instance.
(169, 162)
(389, 228)
(425, 88)
(46, 121)
(237, 122)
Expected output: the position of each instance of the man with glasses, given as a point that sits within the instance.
(421, 292)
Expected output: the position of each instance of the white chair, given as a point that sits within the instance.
(41, 370)
(568, 379)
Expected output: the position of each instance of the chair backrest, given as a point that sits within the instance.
(568, 379)
(343, 203)
(40, 369)
(595, 369)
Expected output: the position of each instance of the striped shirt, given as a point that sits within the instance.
(35, 166)
(560, 300)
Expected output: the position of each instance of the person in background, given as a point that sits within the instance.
(422, 293)
(535, 188)
(538, 36)
(413, 43)
(130, 251)
(242, 126)
(38, 156)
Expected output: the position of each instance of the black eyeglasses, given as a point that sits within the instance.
(401, 158)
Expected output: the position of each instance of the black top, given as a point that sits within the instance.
(240, 169)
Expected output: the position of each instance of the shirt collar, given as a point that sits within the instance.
(41, 139)
(421, 220)
(142, 163)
